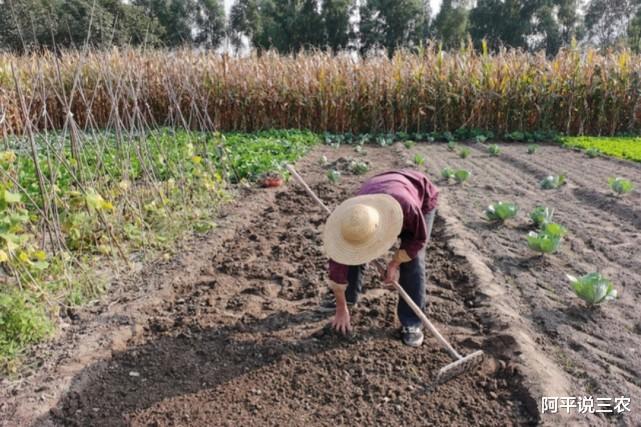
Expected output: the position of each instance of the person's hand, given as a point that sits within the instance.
(341, 321)
(391, 275)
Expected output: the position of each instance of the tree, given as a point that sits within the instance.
(57, 24)
(337, 29)
(606, 20)
(451, 23)
(391, 24)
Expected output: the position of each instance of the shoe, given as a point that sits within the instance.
(412, 336)
(329, 304)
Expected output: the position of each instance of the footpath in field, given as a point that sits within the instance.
(238, 338)
(598, 351)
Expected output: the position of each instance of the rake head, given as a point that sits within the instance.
(459, 367)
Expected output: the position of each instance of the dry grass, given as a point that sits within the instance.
(574, 93)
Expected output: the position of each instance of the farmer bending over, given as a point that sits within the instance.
(388, 206)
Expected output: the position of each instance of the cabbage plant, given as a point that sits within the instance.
(531, 149)
(334, 176)
(447, 173)
(464, 153)
(462, 175)
(547, 240)
(501, 211)
(551, 182)
(541, 215)
(494, 150)
(593, 288)
(620, 185)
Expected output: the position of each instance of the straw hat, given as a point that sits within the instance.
(362, 228)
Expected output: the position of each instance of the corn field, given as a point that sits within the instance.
(574, 93)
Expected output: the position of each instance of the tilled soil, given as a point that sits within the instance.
(230, 333)
(599, 349)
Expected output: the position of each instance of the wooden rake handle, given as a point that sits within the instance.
(417, 310)
(302, 182)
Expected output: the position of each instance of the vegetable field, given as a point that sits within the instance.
(545, 278)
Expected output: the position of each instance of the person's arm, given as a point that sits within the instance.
(415, 237)
(338, 284)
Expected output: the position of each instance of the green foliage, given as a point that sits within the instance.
(494, 150)
(501, 211)
(447, 173)
(451, 24)
(419, 160)
(333, 176)
(480, 139)
(620, 185)
(462, 175)
(22, 322)
(451, 145)
(464, 153)
(409, 144)
(541, 215)
(593, 288)
(391, 24)
(621, 147)
(531, 148)
(593, 152)
(546, 240)
(552, 182)
(358, 168)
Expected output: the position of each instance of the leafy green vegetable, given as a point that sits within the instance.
(323, 161)
(620, 185)
(409, 144)
(500, 211)
(464, 153)
(593, 152)
(551, 182)
(419, 160)
(462, 175)
(334, 176)
(547, 240)
(358, 168)
(593, 288)
(451, 145)
(622, 147)
(480, 139)
(447, 173)
(541, 215)
(531, 149)
(494, 150)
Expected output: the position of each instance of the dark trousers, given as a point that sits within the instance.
(411, 279)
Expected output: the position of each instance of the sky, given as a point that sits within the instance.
(436, 4)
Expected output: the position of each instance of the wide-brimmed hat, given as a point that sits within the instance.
(362, 228)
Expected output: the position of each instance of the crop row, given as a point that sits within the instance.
(572, 93)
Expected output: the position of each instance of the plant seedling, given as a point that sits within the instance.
(593, 152)
(448, 136)
(541, 215)
(480, 139)
(462, 175)
(551, 182)
(334, 176)
(494, 150)
(409, 144)
(447, 173)
(501, 211)
(419, 160)
(464, 153)
(620, 185)
(531, 149)
(358, 168)
(451, 145)
(323, 161)
(547, 240)
(593, 288)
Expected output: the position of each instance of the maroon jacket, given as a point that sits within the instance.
(416, 195)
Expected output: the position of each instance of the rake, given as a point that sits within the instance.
(463, 363)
